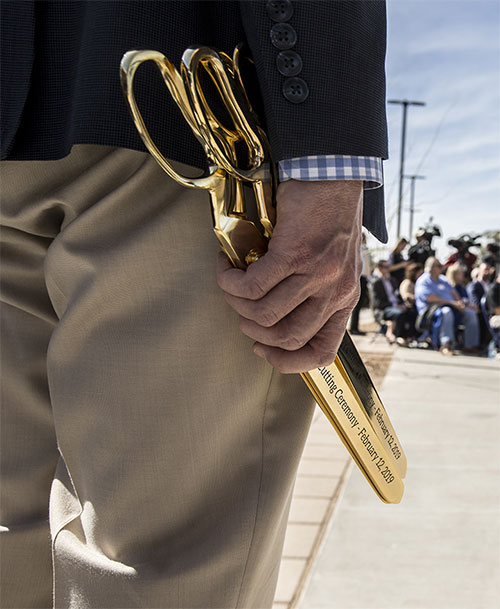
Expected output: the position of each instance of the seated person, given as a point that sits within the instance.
(456, 276)
(467, 259)
(477, 289)
(387, 306)
(433, 288)
(397, 262)
(407, 287)
(493, 303)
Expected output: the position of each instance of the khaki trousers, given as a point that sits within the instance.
(132, 400)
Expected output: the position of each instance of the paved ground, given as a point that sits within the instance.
(438, 549)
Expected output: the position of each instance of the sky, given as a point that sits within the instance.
(445, 53)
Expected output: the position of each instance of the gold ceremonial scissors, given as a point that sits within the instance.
(343, 390)
(239, 236)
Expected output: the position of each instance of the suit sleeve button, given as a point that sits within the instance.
(295, 90)
(289, 63)
(279, 10)
(283, 36)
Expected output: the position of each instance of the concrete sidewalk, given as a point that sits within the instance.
(439, 548)
(323, 472)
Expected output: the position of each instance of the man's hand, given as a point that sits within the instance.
(459, 305)
(295, 301)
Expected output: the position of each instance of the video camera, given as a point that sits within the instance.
(464, 242)
(420, 251)
(428, 233)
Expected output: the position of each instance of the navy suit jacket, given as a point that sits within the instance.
(60, 76)
(475, 290)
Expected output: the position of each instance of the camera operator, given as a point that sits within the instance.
(463, 256)
(422, 249)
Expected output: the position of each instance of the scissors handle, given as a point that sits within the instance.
(220, 138)
(238, 236)
(173, 80)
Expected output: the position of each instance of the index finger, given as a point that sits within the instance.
(259, 278)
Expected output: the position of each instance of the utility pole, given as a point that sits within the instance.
(405, 103)
(412, 201)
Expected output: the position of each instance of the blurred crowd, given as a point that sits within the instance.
(420, 302)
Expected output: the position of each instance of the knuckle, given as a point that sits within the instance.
(292, 342)
(265, 315)
(254, 289)
(288, 336)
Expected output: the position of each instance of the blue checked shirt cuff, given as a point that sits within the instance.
(333, 167)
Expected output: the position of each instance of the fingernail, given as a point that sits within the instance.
(258, 350)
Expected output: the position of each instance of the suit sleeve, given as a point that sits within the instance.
(476, 293)
(341, 45)
(341, 48)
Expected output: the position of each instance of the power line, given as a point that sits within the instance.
(405, 103)
(436, 133)
(412, 200)
(420, 164)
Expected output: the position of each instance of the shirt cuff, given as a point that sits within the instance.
(333, 167)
